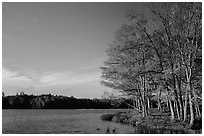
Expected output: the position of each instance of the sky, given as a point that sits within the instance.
(58, 48)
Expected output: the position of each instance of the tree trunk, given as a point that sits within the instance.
(171, 107)
(197, 109)
(139, 104)
(172, 111)
(167, 104)
(159, 100)
(148, 104)
(199, 113)
(159, 105)
(175, 91)
(176, 98)
(185, 107)
(143, 109)
(144, 88)
(191, 109)
(133, 103)
(179, 88)
(180, 106)
(146, 113)
(177, 110)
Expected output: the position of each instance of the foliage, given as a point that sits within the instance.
(48, 101)
(159, 58)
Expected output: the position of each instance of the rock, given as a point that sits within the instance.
(113, 130)
(107, 129)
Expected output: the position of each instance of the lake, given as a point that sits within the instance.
(79, 121)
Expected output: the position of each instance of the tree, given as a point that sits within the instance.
(181, 23)
(151, 55)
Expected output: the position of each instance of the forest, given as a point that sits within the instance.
(158, 56)
(48, 101)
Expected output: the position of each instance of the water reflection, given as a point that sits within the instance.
(70, 122)
(60, 122)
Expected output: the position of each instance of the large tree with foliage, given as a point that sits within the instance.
(159, 55)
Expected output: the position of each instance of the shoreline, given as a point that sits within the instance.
(155, 123)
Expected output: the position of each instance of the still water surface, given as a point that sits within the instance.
(61, 122)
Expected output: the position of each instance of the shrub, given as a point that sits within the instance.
(107, 117)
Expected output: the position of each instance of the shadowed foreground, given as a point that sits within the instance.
(155, 123)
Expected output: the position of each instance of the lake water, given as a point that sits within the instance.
(80, 121)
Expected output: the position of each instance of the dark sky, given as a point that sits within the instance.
(58, 48)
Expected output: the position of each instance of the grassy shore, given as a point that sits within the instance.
(155, 122)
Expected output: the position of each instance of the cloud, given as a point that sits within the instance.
(77, 76)
(68, 78)
(13, 78)
(33, 79)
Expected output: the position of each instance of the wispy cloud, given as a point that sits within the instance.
(75, 77)
(13, 78)
(94, 65)
(67, 78)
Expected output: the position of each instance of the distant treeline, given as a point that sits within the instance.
(48, 101)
